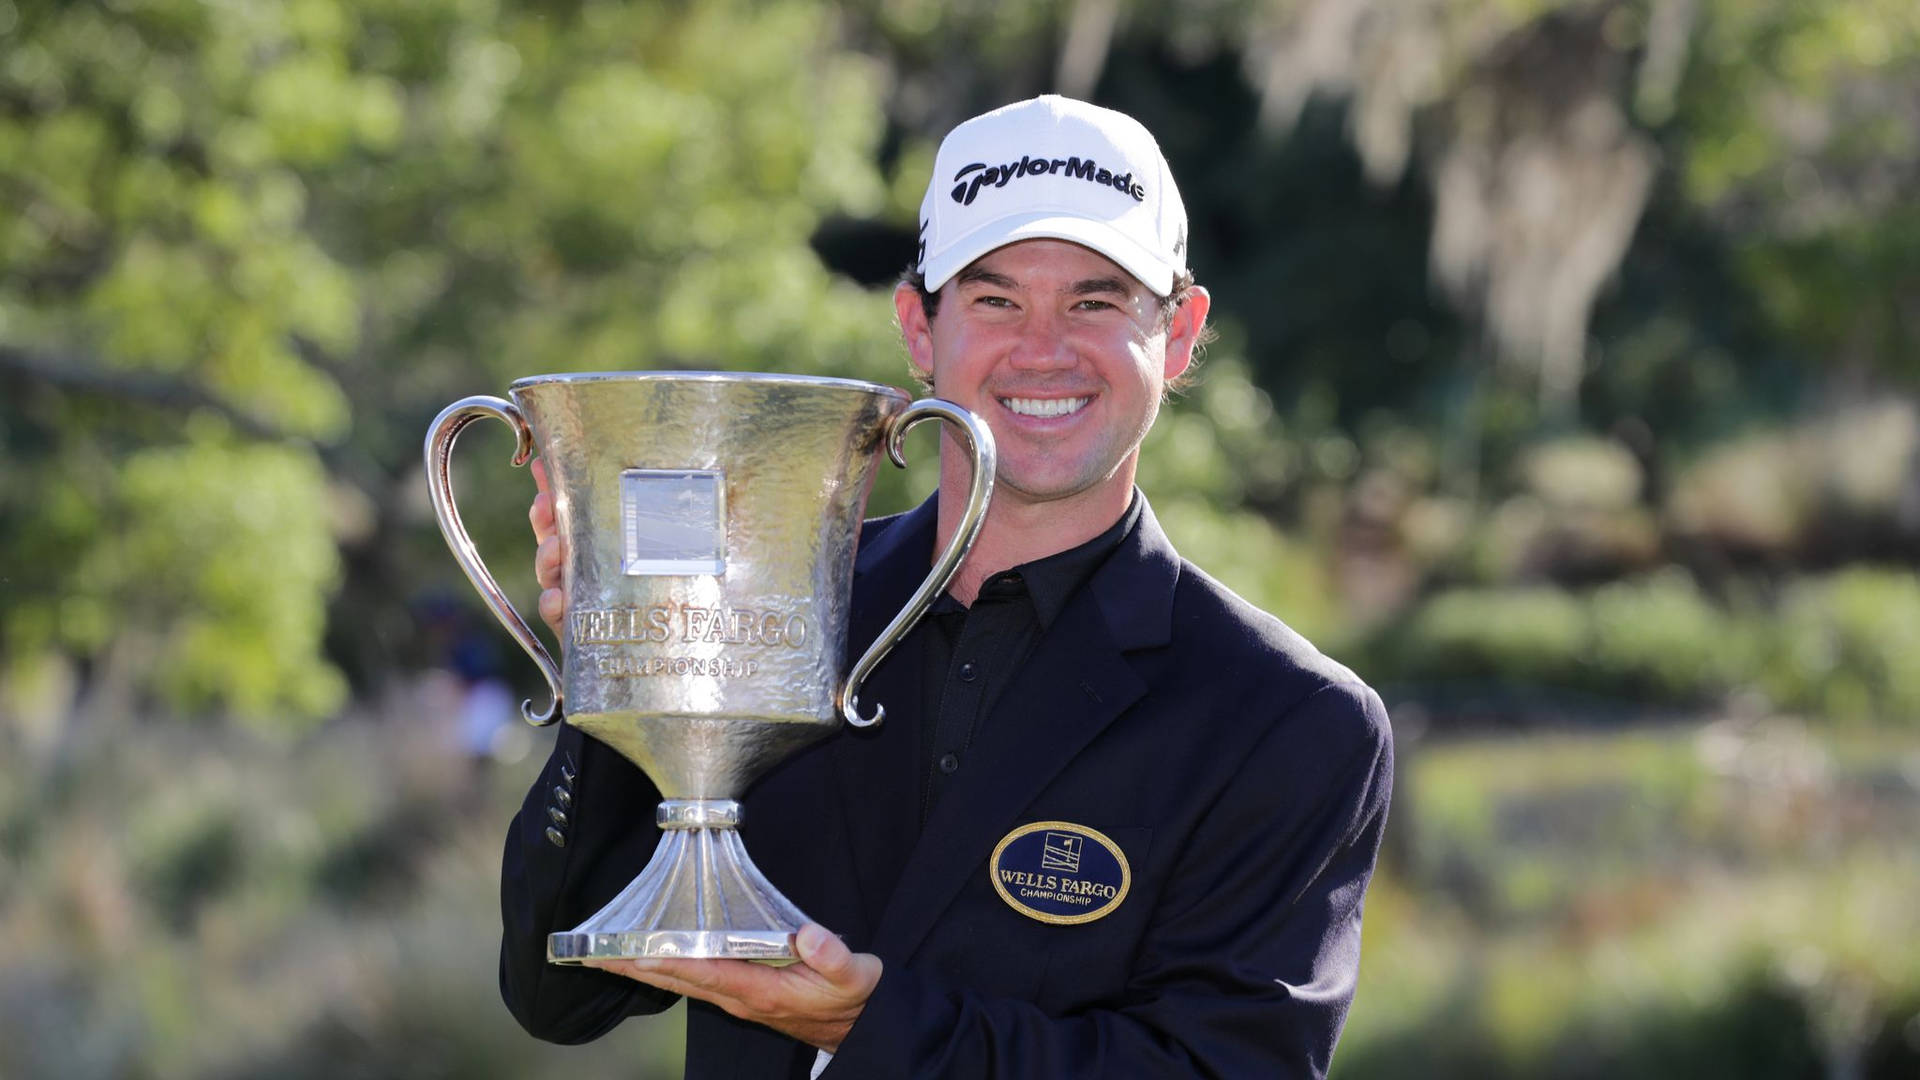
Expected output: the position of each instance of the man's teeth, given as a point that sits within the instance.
(1045, 406)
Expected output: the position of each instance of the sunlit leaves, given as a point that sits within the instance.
(322, 220)
(1823, 85)
(237, 539)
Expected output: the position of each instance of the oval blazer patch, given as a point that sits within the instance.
(1059, 872)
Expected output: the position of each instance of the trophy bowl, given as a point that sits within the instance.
(710, 521)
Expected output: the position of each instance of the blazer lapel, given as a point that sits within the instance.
(874, 767)
(1076, 681)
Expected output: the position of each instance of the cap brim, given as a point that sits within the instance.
(1156, 275)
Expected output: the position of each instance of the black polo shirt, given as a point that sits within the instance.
(973, 652)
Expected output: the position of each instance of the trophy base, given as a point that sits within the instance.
(769, 947)
(699, 897)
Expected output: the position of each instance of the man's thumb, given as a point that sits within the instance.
(828, 955)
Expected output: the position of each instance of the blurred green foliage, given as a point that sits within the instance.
(1837, 646)
(319, 907)
(1847, 644)
(1667, 902)
(256, 247)
(1789, 131)
(1656, 639)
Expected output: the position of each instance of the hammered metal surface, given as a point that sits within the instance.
(704, 679)
(676, 671)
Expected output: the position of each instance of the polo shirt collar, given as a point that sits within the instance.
(1051, 581)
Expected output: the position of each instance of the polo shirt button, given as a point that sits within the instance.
(967, 672)
(949, 763)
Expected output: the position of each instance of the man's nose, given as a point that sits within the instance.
(1043, 344)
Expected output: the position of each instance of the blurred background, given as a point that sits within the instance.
(1567, 390)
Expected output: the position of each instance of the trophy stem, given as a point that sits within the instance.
(699, 896)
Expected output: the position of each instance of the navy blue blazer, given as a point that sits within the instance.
(1244, 776)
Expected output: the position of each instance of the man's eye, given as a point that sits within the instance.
(994, 301)
(1094, 305)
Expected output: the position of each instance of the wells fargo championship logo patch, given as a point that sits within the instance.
(1059, 872)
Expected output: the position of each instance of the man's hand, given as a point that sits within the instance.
(815, 1001)
(551, 552)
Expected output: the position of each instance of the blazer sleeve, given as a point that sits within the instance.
(1251, 957)
(604, 821)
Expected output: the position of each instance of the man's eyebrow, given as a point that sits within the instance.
(985, 277)
(1102, 285)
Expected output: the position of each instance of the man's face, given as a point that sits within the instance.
(1061, 353)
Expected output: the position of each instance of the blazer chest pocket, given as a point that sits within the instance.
(1073, 899)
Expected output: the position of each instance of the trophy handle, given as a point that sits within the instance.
(446, 428)
(979, 443)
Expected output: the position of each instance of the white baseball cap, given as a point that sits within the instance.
(1053, 167)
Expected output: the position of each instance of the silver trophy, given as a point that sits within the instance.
(710, 521)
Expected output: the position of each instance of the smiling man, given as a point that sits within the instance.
(1119, 822)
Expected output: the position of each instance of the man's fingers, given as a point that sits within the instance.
(540, 516)
(710, 979)
(551, 552)
(546, 570)
(734, 985)
(652, 974)
(799, 1000)
(546, 563)
(849, 972)
(823, 952)
(754, 985)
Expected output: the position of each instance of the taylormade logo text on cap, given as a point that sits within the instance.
(997, 176)
(1056, 168)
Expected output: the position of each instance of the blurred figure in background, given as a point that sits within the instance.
(486, 729)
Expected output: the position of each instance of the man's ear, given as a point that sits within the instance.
(915, 329)
(1189, 320)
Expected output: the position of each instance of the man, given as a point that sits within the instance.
(1118, 822)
